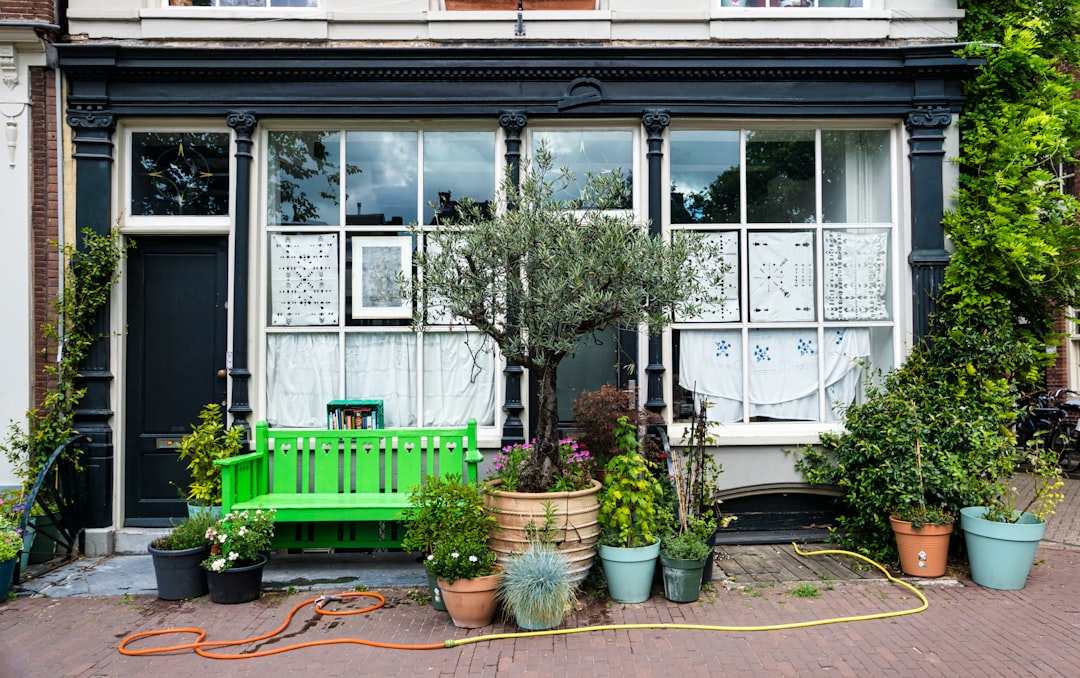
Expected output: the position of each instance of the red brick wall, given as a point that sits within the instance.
(27, 10)
(44, 217)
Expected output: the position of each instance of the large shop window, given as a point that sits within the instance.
(338, 208)
(804, 219)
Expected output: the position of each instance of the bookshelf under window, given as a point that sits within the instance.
(343, 414)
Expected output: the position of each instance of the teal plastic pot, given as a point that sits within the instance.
(7, 576)
(1000, 554)
(629, 571)
(682, 578)
(433, 588)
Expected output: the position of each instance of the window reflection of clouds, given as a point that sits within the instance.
(461, 163)
(389, 174)
(587, 152)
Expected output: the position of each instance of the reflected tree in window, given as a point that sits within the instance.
(180, 173)
(304, 181)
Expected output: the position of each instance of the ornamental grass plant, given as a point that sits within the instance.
(536, 586)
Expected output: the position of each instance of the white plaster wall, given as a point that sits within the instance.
(421, 20)
(15, 340)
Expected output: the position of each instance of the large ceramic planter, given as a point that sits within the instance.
(236, 584)
(682, 578)
(7, 573)
(180, 574)
(576, 526)
(924, 552)
(471, 602)
(1000, 554)
(629, 571)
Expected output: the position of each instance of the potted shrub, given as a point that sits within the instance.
(441, 508)
(178, 557)
(629, 543)
(569, 508)
(11, 543)
(239, 547)
(922, 531)
(448, 519)
(684, 550)
(208, 441)
(1002, 537)
(695, 474)
(536, 587)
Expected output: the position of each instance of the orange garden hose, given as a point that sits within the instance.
(199, 645)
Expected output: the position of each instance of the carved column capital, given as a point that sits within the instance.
(242, 122)
(513, 122)
(655, 122)
(928, 117)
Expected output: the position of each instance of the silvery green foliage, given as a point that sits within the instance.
(536, 586)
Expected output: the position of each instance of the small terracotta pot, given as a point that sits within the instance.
(471, 602)
(924, 552)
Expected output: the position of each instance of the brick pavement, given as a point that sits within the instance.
(967, 631)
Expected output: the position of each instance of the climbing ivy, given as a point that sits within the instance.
(1015, 267)
(92, 272)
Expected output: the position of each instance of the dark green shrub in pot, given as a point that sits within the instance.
(955, 414)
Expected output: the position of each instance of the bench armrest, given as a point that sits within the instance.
(242, 477)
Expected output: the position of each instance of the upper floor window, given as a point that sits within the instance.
(791, 3)
(243, 3)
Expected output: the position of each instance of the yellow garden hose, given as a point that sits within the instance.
(200, 646)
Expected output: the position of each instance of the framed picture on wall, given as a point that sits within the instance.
(377, 264)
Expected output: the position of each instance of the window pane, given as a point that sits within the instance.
(301, 377)
(705, 177)
(459, 379)
(710, 365)
(857, 274)
(728, 291)
(589, 152)
(457, 165)
(383, 190)
(304, 279)
(782, 277)
(783, 374)
(382, 366)
(179, 173)
(304, 178)
(780, 177)
(595, 362)
(856, 184)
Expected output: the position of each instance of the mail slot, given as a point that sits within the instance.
(167, 443)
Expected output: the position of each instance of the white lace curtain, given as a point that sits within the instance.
(783, 371)
(302, 376)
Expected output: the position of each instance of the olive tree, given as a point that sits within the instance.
(535, 274)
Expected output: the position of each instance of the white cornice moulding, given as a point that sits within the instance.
(9, 70)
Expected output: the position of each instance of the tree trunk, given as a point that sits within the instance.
(546, 460)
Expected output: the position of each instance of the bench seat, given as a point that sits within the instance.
(344, 488)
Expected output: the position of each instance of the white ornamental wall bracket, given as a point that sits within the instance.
(11, 128)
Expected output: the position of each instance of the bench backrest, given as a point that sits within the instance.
(364, 460)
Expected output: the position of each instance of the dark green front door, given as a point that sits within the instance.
(177, 288)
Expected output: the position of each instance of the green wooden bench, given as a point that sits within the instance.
(343, 488)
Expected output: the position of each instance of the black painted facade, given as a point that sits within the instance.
(916, 85)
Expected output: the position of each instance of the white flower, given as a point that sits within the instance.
(218, 565)
(431, 557)
(473, 559)
(455, 554)
(222, 538)
(233, 555)
(242, 531)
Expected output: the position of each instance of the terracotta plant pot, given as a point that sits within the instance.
(924, 552)
(576, 527)
(471, 602)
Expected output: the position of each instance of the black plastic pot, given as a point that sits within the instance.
(179, 573)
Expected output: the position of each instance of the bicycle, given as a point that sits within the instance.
(1047, 419)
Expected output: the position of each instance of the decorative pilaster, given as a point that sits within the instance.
(93, 126)
(243, 124)
(655, 122)
(513, 124)
(926, 129)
